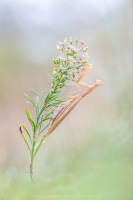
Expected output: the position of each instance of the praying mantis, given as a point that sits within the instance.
(65, 107)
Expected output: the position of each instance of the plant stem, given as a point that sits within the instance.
(31, 163)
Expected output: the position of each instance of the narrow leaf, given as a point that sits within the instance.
(26, 142)
(27, 113)
(52, 77)
(47, 81)
(26, 131)
(39, 145)
(43, 129)
(47, 115)
(42, 109)
(40, 124)
(29, 103)
(37, 107)
(60, 101)
(37, 95)
(45, 92)
(29, 99)
(32, 123)
(47, 97)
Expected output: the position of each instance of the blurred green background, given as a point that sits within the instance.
(90, 154)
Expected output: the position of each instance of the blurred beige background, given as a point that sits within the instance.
(29, 33)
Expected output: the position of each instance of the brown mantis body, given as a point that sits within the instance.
(65, 108)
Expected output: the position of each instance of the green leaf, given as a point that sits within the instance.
(60, 101)
(52, 77)
(26, 131)
(47, 98)
(37, 95)
(42, 109)
(37, 107)
(27, 113)
(29, 99)
(45, 92)
(43, 129)
(64, 92)
(39, 145)
(26, 142)
(40, 124)
(32, 123)
(48, 118)
(30, 103)
(55, 97)
(47, 81)
(48, 114)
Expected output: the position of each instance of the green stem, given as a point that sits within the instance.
(33, 145)
(31, 163)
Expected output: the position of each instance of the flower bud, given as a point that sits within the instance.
(52, 91)
(54, 61)
(85, 49)
(58, 48)
(65, 41)
(62, 79)
(61, 85)
(67, 52)
(67, 77)
(84, 61)
(55, 73)
(57, 61)
(68, 47)
(55, 68)
(52, 85)
(52, 81)
(55, 87)
(68, 67)
(71, 40)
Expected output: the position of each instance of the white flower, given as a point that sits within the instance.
(71, 60)
(85, 55)
(61, 58)
(73, 48)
